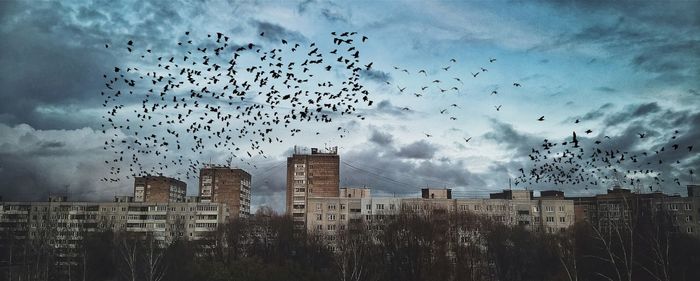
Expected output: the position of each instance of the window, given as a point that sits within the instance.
(535, 209)
(392, 206)
(690, 229)
(689, 218)
(550, 219)
(549, 209)
(380, 206)
(342, 206)
(331, 227)
(319, 217)
(331, 217)
(562, 219)
(369, 207)
(331, 206)
(319, 227)
(319, 206)
(688, 206)
(561, 208)
(342, 217)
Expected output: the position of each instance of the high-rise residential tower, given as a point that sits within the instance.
(159, 189)
(221, 184)
(314, 174)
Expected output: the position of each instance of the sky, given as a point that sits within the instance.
(622, 68)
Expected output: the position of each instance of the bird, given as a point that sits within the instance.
(541, 118)
(221, 110)
(517, 84)
(492, 60)
(467, 139)
(498, 107)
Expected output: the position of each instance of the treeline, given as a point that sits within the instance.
(439, 246)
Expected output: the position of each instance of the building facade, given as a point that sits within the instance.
(619, 206)
(231, 187)
(314, 174)
(64, 224)
(328, 215)
(159, 189)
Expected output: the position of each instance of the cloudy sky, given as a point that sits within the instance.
(621, 68)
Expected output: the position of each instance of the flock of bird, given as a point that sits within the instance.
(220, 95)
(445, 80)
(593, 162)
(216, 94)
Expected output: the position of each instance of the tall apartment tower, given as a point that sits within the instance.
(159, 189)
(221, 184)
(315, 174)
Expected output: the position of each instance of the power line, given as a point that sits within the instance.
(413, 175)
(377, 175)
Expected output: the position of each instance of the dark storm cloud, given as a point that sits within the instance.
(417, 150)
(375, 75)
(508, 137)
(653, 37)
(386, 173)
(386, 107)
(53, 65)
(275, 33)
(381, 138)
(592, 115)
(632, 112)
(36, 163)
(605, 89)
(304, 5)
(332, 14)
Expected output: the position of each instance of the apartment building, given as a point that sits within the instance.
(225, 185)
(159, 189)
(620, 205)
(63, 223)
(328, 215)
(310, 174)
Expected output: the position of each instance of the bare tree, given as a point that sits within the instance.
(153, 258)
(126, 253)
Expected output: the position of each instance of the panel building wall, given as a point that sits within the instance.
(315, 174)
(64, 223)
(225, 185)
(159, 189)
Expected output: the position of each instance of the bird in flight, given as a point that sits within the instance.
(498, 107)
(467, 139)
(541, 118)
